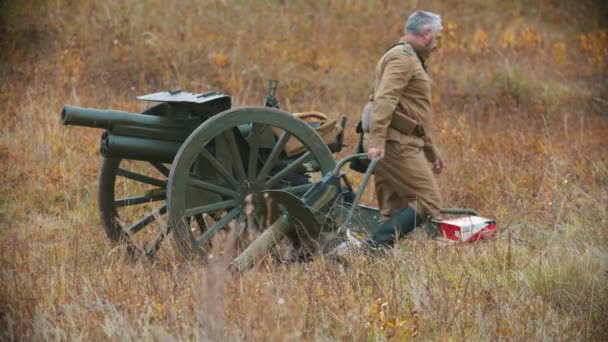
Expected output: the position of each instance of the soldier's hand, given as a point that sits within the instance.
(437, 166)
(374, 153)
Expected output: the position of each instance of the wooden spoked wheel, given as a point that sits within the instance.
(223, 171)
(131, 203)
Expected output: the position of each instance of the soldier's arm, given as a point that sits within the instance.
(430, 150)
(397, 73)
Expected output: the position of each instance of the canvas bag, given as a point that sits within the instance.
(326, 128)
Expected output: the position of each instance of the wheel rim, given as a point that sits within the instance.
(132, 202)
(237, 165)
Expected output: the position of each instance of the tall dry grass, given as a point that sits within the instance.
(520, 92)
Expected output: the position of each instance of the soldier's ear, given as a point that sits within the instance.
(427, 33)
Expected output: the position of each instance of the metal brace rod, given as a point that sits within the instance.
(368, 173)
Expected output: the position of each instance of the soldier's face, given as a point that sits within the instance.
(434, 40)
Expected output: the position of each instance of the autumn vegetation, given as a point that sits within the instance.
(520, 90)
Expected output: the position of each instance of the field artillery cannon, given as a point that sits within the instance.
(213, 174)
(195, 158)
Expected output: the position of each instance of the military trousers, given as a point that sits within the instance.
(403, 178)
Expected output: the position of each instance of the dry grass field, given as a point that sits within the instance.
(521, 99)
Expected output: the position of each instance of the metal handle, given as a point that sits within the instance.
(362, 185)
(346, 159)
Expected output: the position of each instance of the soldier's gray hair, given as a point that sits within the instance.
(420, 20)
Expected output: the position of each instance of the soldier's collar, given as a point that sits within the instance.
(406, 47)
(420, 53)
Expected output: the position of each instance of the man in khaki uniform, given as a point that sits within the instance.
(405, 185)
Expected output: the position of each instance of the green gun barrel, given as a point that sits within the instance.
(130, 124)
(107, 119)
(134, 136)
(136, 148)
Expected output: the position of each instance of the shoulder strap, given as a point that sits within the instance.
(383, 59)
(404, 49)
(392, 46)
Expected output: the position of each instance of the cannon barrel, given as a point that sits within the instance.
(130, 124)
(137, 148)
(106, 118)
(134, 136)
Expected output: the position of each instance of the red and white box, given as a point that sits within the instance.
(467, 228)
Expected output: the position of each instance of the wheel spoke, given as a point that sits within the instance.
(235, 154)
(207, 208)
(161, 168)
(141, 178)
(200, 222)
(254, 149)
(219, 168)
(204, 182)
(240, 224)
(212, 187)
(156, 243)
(298, 189)
(287, 170)
(217, 226)
(144, 221)
(274, 156)
(135, 200)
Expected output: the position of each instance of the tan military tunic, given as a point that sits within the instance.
(403, 177)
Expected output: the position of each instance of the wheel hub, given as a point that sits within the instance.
(247, 188)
